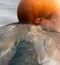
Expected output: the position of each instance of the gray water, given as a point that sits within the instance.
(8, 11)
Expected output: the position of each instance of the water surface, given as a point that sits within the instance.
(8, 11)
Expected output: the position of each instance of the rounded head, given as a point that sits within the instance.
(29, 10)
(43, 12)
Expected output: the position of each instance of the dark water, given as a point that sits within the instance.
(8, 11)
(25, 54)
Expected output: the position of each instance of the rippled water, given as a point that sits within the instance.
(8, 11)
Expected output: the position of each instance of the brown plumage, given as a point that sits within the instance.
(46, 10)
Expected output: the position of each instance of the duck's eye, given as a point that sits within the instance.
(37, 21)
